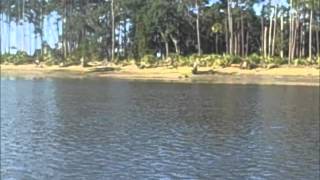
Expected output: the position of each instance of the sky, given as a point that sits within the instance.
(30, 43)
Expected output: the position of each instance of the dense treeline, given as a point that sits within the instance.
(118, 30)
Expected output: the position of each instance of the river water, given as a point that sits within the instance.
(113, 129)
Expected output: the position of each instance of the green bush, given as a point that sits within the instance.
(274, 60)
(72, 59)
(226, 60)
(147, 61)
(206, 60)
(21, 57)
(185, 61)
(235, 60)
(230, 59)
(222, 62)
(50, 59)
(300, 61)
(7, 58)
(255, 58)
(150, 59)
(174, 57)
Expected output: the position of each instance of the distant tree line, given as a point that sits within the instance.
(115, 30)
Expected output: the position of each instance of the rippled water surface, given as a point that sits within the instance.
(108, 129)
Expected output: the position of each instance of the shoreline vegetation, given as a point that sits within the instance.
(269, 74)
(224, 41)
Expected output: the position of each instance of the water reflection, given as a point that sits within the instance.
(93, 129)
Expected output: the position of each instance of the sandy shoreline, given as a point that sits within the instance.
(306, 76)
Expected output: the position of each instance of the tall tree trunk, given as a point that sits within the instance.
(166, 43)
(281, 34)
(293, 50)
(119, 44)
(247, 43)
(310, 35)
(1, 19)
(270, 33)
(262, 36)
(9, 32)
(290, 33)
(217, 43)
(230, 28)
(238, 39)
(17, 25)
(167, 49)
(23, 33)
(265, 42)
(303, 35)
(64, 34)
(274, 30)
(227, 37)
(317, 41)
(242, 36)
(300, 39)
(198, 28)
(125, 39)
(176, 44)
(236, 44)
(41, 27)
(113, 30)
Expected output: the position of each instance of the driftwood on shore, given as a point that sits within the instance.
(247, 65)
(195, 68)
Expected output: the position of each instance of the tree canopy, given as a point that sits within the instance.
(131, 29)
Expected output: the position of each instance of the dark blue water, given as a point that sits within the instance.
(108, 129)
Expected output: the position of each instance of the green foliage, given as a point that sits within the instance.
(216, 60)
(274, 60)
(89, 53)
(185, 61)
(223, 61)
(20, 57)
(7, 58)
(255, 58)
(207, 60)
(232, 59)
(143, 27)
(150, 59)
(302, 61)
(73, 58)
(147, 61)
(50, 57)
(174, 58)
